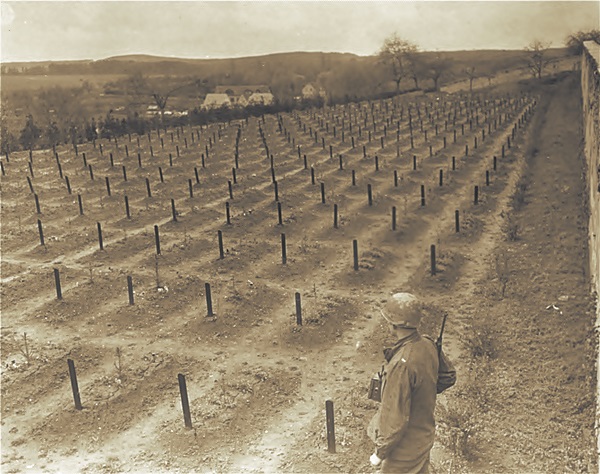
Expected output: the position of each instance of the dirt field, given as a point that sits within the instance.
(257, 382)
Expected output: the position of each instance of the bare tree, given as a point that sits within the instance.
(417, 68)
(436, 69)
(538, 59)
(140, 88)
(471, 74)
(575, 41)
(396, 53)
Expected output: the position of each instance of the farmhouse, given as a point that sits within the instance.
(240, 95)
(310, 91)
(152, 110)
(214, 101)
(261, 98)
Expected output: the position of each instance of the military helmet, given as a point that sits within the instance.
(402, 310)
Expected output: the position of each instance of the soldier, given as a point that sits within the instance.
(403, 428)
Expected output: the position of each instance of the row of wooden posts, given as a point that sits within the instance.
(185, 405)
(207, 148)
(233, 170)
(209, 306)
(211, 140)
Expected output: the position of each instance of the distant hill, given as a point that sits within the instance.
(307, 64)
(344, 76)
(159, 65)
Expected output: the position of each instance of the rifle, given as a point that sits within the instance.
(438, 343)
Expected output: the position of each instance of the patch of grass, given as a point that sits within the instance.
(502, 271)
(460, 419)
(510, 227)
(480, 339)
(519, 197)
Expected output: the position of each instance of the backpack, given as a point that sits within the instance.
(446, 371)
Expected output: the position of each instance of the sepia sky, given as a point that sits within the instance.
(48, 30)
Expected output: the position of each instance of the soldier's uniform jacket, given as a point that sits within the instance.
(403, 428)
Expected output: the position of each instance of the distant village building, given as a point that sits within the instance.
(240, 95)
(310, 91)
(261, 98)
(152, 110)
(214, 101)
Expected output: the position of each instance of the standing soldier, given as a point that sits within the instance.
(416, 370)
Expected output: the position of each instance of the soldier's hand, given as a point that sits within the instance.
(375, 460)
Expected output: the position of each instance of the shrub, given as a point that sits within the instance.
(480, 339)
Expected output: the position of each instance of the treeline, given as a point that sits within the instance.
(34, 136)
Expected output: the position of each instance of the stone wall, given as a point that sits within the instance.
(590, 87)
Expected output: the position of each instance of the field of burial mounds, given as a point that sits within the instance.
(298, 225)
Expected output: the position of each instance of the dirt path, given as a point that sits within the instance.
(533, 398)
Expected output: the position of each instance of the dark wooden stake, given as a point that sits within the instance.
(41, 232)
(74, 385)
(298, 309)
(220, 238)
(173, 210)
(209, 307)
(312, 175)
(433, 268)
(187, 416)
(330, 426)
(422, 195)
(127, 208)
(279, 215)
(476, 195)
(393, 217)
(80, 202)
(130, 289)
(100, 242)
(457, 220)
(228, 213)
(323, 193)
(283, 250)
(335, 216)
(107, 185)
(157, 240)
(37, 204)
(57, 284)
(148, 188)
(370, 194)
(355, 253)
(30, 183)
